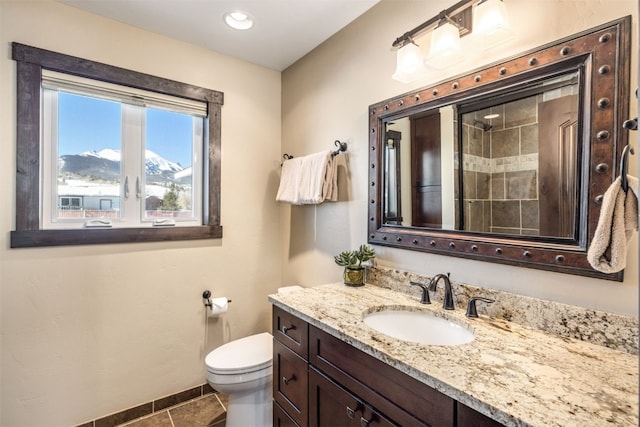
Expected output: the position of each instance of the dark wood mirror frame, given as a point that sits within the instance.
(605, 53)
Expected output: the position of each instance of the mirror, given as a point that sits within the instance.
(518, 170)
(507, 163)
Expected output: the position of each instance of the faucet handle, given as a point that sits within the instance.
(425, 292)
(471, 305)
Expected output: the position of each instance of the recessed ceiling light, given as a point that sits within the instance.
(491, 116)
(238, 20)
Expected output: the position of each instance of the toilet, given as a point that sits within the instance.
(242, 369)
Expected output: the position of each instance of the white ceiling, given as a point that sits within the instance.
(284, 30)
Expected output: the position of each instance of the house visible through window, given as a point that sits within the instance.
(135, 155)
(69, 203)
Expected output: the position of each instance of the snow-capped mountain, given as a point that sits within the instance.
(105, 164)
(157, 164)
(106, 153)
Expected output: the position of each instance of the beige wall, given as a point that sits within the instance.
(89, 330)
(326, 95)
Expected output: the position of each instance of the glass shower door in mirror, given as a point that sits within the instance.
(520, 170)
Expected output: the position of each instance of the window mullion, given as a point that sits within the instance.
(198, 165)
(132, 162)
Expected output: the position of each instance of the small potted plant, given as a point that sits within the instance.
(352, 263)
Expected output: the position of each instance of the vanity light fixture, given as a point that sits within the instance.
(409, 63)
(238, 20)
(445, 46)
(490, 19)
(446, 29)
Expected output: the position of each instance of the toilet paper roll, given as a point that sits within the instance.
(218, 306)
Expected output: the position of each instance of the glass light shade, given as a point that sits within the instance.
(445, 47)
(491, 21)
(409, 64)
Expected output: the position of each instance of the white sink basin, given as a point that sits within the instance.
(418, 327)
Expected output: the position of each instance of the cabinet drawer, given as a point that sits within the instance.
(290, 382)
(281, 418)
(332, 406)
(291, 331)
(403, 399)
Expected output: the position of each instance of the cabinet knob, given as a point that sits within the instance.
(286, 380)
(351, 413)
(365, 422)
(285, 329)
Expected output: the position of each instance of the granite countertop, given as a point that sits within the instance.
(513, 374)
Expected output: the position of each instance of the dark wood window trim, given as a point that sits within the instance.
(30, 63)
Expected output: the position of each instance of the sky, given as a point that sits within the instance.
(90, 124)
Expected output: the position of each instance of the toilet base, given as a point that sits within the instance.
(253, 408)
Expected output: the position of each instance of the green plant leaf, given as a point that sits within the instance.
(355, 258)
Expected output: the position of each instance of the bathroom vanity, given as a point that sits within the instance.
(331, 369)
(331, 383)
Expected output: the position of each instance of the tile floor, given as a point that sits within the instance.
(206, 411)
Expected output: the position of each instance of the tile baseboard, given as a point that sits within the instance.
(149, 408)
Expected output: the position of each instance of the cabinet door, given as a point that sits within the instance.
(332, 406)
(290, 382)
(468, 417)
(401, 398)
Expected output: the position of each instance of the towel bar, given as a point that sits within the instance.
(342, 147)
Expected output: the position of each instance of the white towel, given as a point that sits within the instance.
(310, 179)
(314, 178)
(290, 181)
(618, 220)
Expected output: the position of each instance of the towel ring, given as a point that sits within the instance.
(624, 166)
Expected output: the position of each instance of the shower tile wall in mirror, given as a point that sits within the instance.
(507, 163)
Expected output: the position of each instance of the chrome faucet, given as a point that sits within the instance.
(447, 304)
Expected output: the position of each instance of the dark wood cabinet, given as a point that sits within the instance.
(290, 369)
(404, 400)
(290, 382)
(281, 418)
(290, 331)
(467, 417)
(321, 381)
(332, 405)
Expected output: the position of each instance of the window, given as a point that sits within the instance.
(116, 155)
(135, 158)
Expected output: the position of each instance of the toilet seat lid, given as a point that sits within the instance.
(243, 355)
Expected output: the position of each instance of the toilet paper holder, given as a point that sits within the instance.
(206, 296)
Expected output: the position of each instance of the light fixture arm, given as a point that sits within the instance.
(458, 8)
(454, 22)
